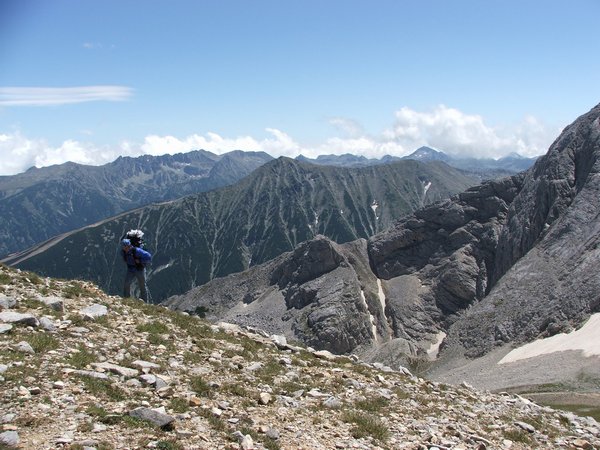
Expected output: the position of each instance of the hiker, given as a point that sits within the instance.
(136, 260)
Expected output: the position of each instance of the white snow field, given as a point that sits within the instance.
(587, 339)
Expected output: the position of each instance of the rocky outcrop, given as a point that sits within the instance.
(312, 294)
(548, 250)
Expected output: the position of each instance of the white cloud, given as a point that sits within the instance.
(444, 128)
(279, 144)
(350, 127)
(44, 96)
(462, 134)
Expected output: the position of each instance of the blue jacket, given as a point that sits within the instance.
(136, 258)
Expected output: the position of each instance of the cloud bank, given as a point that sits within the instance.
(45, 96)
(446, 129)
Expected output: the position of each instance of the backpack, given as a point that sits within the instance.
(136, 238)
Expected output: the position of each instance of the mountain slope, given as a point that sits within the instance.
(500, 264)
(80, 369)
(283, 203)
(42, 203)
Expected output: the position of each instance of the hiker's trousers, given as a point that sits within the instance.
(140, 275)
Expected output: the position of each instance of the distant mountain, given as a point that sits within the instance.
(42, 203)
(458, 284)
(345, 160)
(428, 154)
(285, 202)
(484, 168)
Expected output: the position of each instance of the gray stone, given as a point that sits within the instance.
(7, 302)
(158, 418)
(5, 328)
(265, 398)
(24, 347)
(94, 311)
(145, 365)
(160, 383)
(56, 303)
(279, 340)
(8, 418)
(3, 368)
(247, 443)
(18, 318)
(90, 373)
(10, 438)
(254, 367)
(525, 426)
(148, 379)
(47, 324)
(273, 433)
(332, 403)
(116, 369)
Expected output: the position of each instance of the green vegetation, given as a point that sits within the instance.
(154, 327)
(269, 371)
(77, 289)
(201, 311)
(168, 445)
(43, 342)
(5, 278)
(235, 389)
(103, 388)
(375, 404)
(269, 444)
(179, 405)
(366, 425)
(518, 435)
(200, 386)
(580, 410)
(81, 359)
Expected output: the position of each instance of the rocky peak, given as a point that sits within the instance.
(80, 369)
(308, 261)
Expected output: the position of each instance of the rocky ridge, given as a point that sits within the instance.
(41, 203)
(83, 370)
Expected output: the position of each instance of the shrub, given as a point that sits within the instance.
(366, 425)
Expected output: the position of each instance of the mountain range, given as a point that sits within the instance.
(281, 204)
(457, 284)
(485, 168)
(41, 203)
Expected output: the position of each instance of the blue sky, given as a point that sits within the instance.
(88, 81)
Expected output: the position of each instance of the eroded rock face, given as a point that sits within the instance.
(437, 262)
(319, 294)
(545, 266)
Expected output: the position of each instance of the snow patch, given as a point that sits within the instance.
(374, 207)
(163, 267)
(426, 188)
(382, 298)
(373, 322)
(587, 339)
(434, 349)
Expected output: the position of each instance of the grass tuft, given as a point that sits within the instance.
(366, 425)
